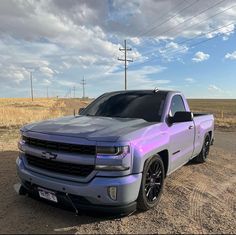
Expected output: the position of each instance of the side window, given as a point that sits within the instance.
(177, 104)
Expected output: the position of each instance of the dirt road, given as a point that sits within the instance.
(197, 199)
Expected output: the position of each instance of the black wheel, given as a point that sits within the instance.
(202, 157)
(151, 184)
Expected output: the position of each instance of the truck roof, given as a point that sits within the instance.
(144, 91)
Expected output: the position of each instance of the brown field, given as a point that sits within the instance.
(16, 112)
(224, 110)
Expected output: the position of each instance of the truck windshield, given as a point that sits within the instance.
(141, 105)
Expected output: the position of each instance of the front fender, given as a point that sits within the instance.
(147, 147)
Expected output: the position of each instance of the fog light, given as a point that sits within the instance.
(20, 145)
(112, 192)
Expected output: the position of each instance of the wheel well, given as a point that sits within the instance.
(165, 159)
(210, 133)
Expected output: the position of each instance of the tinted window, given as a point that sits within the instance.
(177, 104)
(147, 106)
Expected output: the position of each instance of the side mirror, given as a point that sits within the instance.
(181, 116)
(81, 110)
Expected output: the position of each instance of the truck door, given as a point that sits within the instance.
(181, 136)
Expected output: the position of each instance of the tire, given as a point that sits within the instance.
(152, 183)
(202, 157)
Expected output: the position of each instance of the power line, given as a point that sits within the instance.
(159, 18)
(125, 49)
(31, 86)
(83, 82)
(188, 40)
(186, 7)
(30, 70)
(168, 19)
(208, 18)
(191, 39)
(211, 31)
(190, 46)
(200, 22)
(194, 16)
(220, 12)
(208, 39)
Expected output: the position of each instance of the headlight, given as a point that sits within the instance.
(21, 142)
(112, 151)
(113, 158)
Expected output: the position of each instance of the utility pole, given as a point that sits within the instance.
(125, 60)
(83, 84)
(47, 92)
(31, 85)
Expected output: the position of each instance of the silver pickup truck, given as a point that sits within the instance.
(113, 156)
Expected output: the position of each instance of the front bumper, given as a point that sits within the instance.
(87, 196)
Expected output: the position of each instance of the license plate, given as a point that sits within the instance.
(48, 195)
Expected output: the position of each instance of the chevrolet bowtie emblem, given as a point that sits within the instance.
(49, 155)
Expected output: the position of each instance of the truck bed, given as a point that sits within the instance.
(200, 114)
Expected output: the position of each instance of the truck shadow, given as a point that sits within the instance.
(192, 162)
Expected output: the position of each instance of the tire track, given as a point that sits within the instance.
(227, 192)
(196, 201)
(179, 177)
(176, 184)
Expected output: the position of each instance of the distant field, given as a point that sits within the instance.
(15, 112)
(224, 110)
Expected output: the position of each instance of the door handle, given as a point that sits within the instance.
(190, 127)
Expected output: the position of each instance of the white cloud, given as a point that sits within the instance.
(65, 65)
(135, 40)
(46, 82)
(190, 80)
(200, 56)
(172, 51)
(175, 47)
(172, 45)
(149, 70)
(13, 75)
(55, 19)
(66, 38)
(214, 88)
(231, 56)
(147, 77)
(67, 83)
(47, 71)
(218, 92)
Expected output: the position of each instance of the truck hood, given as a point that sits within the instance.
(89, 127)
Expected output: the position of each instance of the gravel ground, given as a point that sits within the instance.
(198, 198)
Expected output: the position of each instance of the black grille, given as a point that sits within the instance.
(82, 149)
(60, 167)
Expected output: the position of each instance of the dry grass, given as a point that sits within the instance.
(15, 112)
(224, 110)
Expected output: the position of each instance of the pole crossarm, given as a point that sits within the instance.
(125, 49)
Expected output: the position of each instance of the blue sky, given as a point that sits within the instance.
(187, 45)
